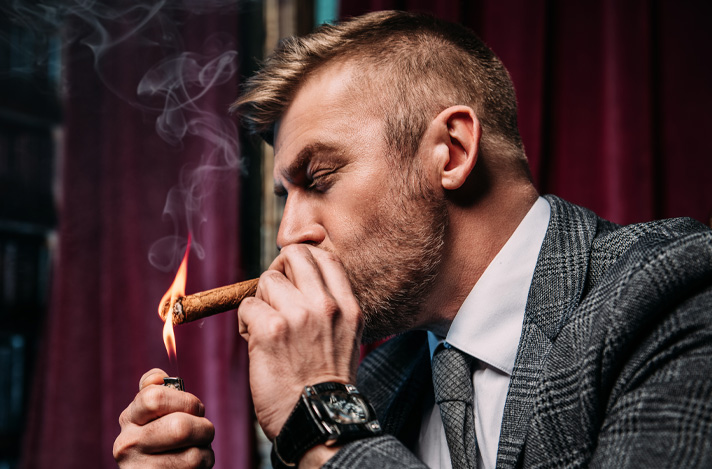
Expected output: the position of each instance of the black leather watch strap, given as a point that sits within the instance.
(330, 413)
(299, 434)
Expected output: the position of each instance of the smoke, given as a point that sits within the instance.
(172, 89)
(179, 83)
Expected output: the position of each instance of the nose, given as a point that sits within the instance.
(300, 223)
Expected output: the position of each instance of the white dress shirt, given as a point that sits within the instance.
(488, 327)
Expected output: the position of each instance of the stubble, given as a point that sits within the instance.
(393, 266)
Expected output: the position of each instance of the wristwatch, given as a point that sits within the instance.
(330, 413)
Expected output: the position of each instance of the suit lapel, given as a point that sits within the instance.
(557, 286)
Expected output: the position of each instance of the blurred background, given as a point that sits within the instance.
(116, 143)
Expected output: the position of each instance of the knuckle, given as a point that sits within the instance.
(150, 373)
(299, 317)
(118, 449)
(276, 327)
(209, 460)
(198, 408)
(179, 427)
(124, 418)
(152, 398)
(209, 431)
(328, 306)
(193, 457)
(269, 277)
(122, 447)
(248, 302)
(199, 457)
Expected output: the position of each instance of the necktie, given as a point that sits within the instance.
(452, 383)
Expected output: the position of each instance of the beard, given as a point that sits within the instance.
(396, 260)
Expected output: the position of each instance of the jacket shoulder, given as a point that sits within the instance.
(624, 246)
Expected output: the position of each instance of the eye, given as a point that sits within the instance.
(280, 192)
(321, 180)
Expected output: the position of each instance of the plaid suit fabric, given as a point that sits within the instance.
(614, 367)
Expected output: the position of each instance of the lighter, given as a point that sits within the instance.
(174, 382)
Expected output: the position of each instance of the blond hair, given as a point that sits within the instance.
(413, 66)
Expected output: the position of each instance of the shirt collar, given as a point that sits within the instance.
(489, 323)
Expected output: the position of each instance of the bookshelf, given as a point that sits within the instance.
(29, 123)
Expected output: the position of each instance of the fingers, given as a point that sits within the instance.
(154, 401)
(189, 458)
(275, 289)
(164, 427)
(298, 264)
(251, 311)
(154, 376)
(172, 432)
(192, 457)
(302, 280)
(335, 279)
(302, 327)
(316, 273)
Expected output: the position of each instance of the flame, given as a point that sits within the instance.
(176, 291)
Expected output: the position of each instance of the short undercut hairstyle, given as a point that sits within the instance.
(410, 66)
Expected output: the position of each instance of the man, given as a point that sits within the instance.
(409, 208)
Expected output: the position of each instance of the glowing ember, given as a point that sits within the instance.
(176, 290)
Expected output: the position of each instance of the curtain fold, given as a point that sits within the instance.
(613, 96)
(103, 330)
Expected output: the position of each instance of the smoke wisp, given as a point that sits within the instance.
(173, 90)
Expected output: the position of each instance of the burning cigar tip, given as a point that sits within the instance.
(207, 303)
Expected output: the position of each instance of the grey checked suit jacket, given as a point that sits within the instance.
(614, 366)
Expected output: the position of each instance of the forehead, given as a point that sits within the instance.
(328, 110)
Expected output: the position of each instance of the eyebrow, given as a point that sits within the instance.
(300, 164)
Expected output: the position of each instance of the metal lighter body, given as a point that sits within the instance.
(174, 382)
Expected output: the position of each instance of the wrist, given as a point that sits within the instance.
(317, 456)
(327, 414)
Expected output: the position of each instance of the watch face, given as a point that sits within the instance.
(346, 408)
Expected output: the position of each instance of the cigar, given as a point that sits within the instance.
(207, 303)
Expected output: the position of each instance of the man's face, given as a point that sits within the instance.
(345, 194)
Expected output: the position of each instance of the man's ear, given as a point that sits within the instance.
(458, 139)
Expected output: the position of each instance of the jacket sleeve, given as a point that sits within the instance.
(660, 411)
(381, 452)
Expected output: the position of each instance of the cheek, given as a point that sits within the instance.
(350, 225)
(360, 208)
(346, 230)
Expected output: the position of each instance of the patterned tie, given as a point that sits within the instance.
(452, 382)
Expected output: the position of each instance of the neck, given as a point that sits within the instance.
(475, 234)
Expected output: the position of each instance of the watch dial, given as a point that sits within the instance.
(346, 408)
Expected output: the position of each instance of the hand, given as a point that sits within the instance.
(164, 427)
(303, 327)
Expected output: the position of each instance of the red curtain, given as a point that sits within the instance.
(613, 111)
(614, 96)
(103, 331)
